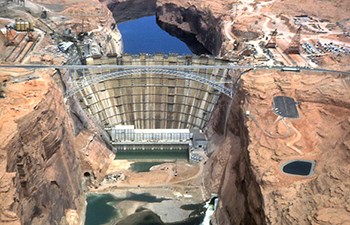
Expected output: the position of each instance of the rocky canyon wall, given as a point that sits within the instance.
(191, 22)
(124, 10)
(48, 179)
(47, 162)
(321, 133)
(229, 172)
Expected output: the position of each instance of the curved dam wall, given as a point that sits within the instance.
(153, 101)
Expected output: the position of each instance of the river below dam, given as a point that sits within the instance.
(146, 208)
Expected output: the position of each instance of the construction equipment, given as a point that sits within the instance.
(294, 45)
(43, 14)
(272, 42)
(10, 36)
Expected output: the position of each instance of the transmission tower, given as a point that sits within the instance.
(294, 45)
(81, 13)
(272, 42)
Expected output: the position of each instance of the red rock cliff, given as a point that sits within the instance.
(47, 162)
(228, 170)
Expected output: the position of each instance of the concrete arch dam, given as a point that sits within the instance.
(152, 91)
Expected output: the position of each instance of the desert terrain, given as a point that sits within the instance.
(46, 148)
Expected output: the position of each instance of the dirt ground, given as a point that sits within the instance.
(180, 173)
(321, 133)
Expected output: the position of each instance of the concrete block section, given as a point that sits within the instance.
(151, 100)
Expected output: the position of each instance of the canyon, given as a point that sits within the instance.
(52, 152)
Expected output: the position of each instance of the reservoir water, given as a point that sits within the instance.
(143, 35)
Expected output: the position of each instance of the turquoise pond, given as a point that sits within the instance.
(101, 210)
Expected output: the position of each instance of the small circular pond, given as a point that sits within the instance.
(299, 167)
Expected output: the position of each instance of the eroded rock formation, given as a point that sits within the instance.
(245, 168)
(322, 133)
(45, 163)
(228, 170)
(124, 10)
(186, 21)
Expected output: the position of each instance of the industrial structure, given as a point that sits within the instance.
(19, 39)
(294, 45)
(272, 41)
(152, 98)
(158, 102)
(125, 138)
(152, 108)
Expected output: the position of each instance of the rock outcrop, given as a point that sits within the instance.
(124, 10)
(228, 170)
(245, 168)
(186, 21)
(42, 175)
(48, 175)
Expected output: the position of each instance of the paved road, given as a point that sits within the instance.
(189, 67)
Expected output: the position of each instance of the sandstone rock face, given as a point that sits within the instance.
(48, 176)
(181, 19)
(42, 161)
(229, 173)
(131, 9)
(245, 168)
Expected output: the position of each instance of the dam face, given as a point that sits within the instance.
(153, 101)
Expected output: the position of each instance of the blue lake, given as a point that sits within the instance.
(143, 35)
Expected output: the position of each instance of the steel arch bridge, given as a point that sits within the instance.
(213, 77)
